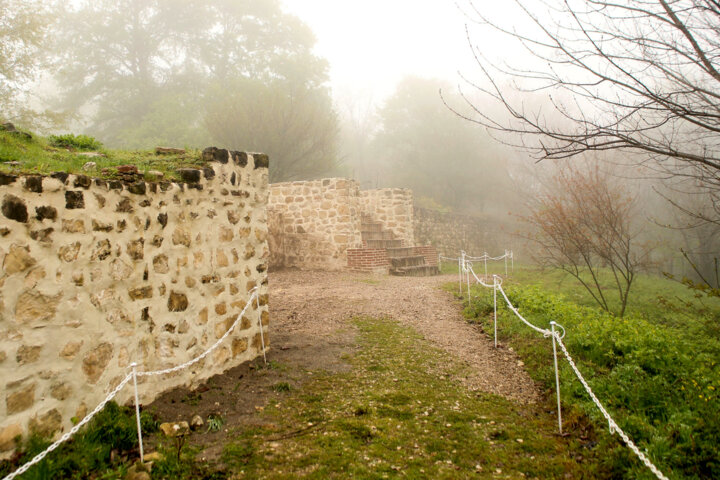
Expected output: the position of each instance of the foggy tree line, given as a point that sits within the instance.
(142, 73)
(138, 74)
(633, 82)
(636, 82)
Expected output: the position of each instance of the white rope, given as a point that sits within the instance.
(487, 257)
(71, 432)
(476, 277)
(613, 425)
(507, 254)
(209, 350)
(545, 332)
(131, 376)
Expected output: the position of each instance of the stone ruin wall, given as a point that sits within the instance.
(98, 274)
(393, 207)
(313, 223)
(452, 232)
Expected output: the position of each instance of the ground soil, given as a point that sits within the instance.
(310, 331)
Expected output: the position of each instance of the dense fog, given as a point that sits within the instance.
(251, 75)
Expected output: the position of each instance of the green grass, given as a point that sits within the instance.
(651, 296)
(37, 156)
(397, 413)
(656, 370)
(101, 449)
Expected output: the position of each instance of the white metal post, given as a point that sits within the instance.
(137, 412)
(495, 308)
(557, 377)
(512, 260)
(460, 276)
(262, 337)
(485, 257)
(467, 272)
(506, 255)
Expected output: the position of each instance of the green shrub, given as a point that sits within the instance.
(77, 142)
(658, 381)
(88, 452)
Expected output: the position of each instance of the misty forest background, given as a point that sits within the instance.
(137, 74)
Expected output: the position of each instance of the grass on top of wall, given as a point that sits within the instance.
(40, 155)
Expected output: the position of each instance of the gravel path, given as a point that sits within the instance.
(316, 305)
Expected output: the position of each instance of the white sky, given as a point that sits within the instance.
(371, 44)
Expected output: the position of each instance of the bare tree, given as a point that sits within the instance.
(636, 75)
(583, 224)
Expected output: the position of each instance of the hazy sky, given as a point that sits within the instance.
(371, 44)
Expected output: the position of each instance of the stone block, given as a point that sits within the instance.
(9, 436)
(47, 424)
(33, 307)
(96, 361)
(177, 302)
(20, 400)
(14, 208)
(28, 354)
(18, 259)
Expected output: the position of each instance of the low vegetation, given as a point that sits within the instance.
(656, 369)
(69, 153)
(398, 411)
(102, 449)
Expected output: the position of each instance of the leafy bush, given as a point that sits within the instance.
(77, 142)
(659, 382)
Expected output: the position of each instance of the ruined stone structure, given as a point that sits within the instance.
(98, 274)
(312, 224)
(393, 208)
(452, 232)
(332, 224)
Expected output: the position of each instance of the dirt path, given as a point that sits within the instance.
(312, 308)
(309, 331)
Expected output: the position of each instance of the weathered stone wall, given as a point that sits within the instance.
(97, 274)
(393, 207)
(314, 223)
(450, 233)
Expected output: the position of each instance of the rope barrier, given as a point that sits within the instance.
(209, 350)
(71, 432)
(557, 339)
(614, 427)
(133, 376)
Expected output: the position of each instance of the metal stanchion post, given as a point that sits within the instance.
(137, 411)
(262, 337)
(495, 308)
(557, 376)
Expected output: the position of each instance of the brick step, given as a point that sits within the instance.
(388, 244)
(400, 251)
(414, 261)
(416, 271)
(371, 227)
(373, 235)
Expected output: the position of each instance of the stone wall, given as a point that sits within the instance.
(450, 233)
(314, 223)
(98, 274)
(393, 207)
